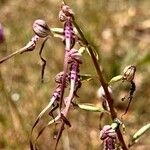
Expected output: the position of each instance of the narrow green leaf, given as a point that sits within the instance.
(57, 30)
(115, 79)
(139, 133)
(90, 107)
(86, 77)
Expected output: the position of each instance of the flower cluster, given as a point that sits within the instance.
(108, 135)
(69, 77)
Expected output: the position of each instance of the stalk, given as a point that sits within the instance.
(102, 82)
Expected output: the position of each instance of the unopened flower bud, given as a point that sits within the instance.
(40, 28)
(129, 73)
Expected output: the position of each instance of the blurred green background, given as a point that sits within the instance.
(118, 29)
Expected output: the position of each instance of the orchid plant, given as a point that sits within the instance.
(70, 78)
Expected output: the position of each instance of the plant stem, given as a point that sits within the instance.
(63, 79)
(103, 83)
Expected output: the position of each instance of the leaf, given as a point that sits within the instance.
(139, 133)
(115, 79)
(57, 30)
(90, 107)
(86, 77)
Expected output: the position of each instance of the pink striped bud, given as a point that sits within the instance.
(40, 28)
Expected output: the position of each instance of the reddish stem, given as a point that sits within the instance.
(103, 83)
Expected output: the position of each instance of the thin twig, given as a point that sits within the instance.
(13, 54)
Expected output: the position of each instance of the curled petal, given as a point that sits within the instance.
(48, 124)
(106, 132)
(42, 113)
